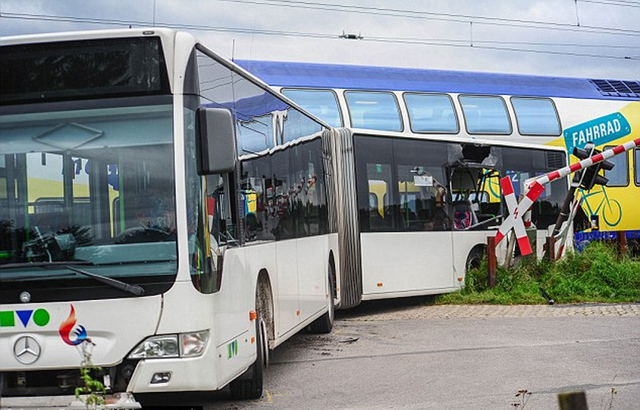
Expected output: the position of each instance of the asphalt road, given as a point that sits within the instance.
(405, 354)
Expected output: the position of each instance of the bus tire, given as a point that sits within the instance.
(474, 260)
(324, 324)
(249, 385)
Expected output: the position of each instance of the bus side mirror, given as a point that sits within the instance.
(217, 141)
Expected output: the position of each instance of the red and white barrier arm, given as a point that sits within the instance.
(535, 186)
(585, 163)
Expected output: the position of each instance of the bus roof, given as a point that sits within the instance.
(354, 77)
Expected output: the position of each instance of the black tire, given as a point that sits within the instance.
(474, 260)
(324, 324)
(249, 385)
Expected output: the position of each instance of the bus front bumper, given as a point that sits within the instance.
(112, 401)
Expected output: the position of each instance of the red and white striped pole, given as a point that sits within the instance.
(535, 187)
(585, 163)
(517, 213)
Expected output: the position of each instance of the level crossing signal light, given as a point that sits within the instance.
(591, 175)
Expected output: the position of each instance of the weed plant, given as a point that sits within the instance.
(597, 274)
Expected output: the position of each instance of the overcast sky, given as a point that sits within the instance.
(577, 38)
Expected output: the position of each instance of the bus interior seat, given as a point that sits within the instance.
(463, 215)
(425, 209)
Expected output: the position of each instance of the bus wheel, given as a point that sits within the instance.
(324, 323)
(474, 260)
(249, 385)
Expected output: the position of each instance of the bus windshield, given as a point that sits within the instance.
(87, 186)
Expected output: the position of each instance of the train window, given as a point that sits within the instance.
(431, 113)
(321, 103)
(536, 116)
(373, 110)
(485, 114)
(619, 175)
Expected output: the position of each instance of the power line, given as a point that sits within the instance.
(449, 17)
(496, 48)
(482, 44)
(141, 23)
(514, 43)
(407, 13)
(620, 3)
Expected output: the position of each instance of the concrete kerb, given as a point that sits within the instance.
(486, 311)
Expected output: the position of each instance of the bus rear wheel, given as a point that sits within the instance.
(324, 324)
(475, 257)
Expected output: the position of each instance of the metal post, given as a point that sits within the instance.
(511, 246)
(573, 401)
(621, 243)
(491, 259)
(550, 248)
(566, 207)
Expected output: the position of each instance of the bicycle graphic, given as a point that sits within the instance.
(493, 182)
(609, 209)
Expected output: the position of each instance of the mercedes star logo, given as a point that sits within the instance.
(26, 350)
(25, 297)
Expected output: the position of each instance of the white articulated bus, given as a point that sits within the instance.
(126, 222)
(422, 207)
(544, 110)
(171, 210)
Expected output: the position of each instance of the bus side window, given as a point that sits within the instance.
(379, 217)
(220, 215)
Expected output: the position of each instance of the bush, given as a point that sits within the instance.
(595, 275)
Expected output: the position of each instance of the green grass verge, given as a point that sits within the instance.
(595, 275)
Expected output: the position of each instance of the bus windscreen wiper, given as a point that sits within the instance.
(43, 264)
(134, 289)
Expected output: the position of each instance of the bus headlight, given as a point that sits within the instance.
(157, 347)
(170, 346)
(193, 344)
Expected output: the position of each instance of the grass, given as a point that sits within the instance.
(595, 275)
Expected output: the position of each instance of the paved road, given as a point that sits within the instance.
(408, 355)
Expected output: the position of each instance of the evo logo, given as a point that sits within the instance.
(39, 316)
(598, 131)
(232, 349)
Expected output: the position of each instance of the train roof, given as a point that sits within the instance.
(354, 77)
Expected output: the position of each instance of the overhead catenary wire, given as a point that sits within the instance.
(449, 17)
(497, 45)
(405, 13)
(621, 3)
